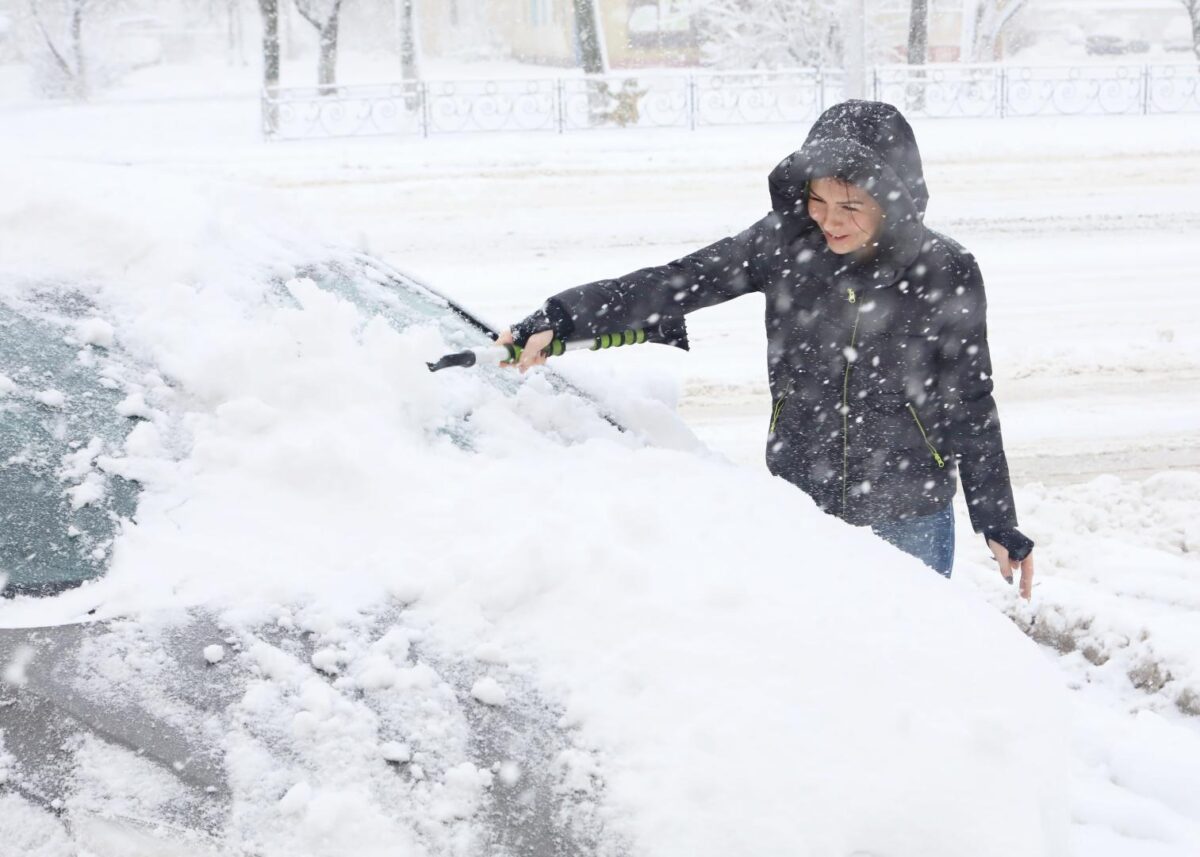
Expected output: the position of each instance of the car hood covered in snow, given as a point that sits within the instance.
(464, 613)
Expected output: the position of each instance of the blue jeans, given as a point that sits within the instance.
(930, 539)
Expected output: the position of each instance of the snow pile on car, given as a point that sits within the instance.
(736, 672)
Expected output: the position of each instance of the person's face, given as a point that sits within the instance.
(848, 216)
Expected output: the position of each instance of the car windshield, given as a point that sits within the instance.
(62, 410)
(72, 399)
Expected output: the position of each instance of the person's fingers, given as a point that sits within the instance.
(532, 354)
(1000, 552)
(1027, 577)
(505, 338)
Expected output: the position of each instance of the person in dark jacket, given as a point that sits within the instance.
(877, 357)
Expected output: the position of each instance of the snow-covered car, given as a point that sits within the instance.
(335, 603)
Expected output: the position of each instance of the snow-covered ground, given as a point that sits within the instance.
(1085, 229)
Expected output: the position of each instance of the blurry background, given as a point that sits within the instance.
(84, 48)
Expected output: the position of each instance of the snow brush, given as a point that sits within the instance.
(669, 332)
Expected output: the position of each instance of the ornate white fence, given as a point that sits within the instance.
(999, 90)
(720, 98)
(551, 104)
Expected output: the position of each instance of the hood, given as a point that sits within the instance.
(870, 144)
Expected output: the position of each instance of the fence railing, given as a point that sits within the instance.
(1000, 90)
(551, 104)
(720, 98)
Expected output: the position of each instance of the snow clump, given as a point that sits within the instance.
(395, 751)
(95, 331)
(50, 398)
(134, 405)
(214, 654)
(488, 691)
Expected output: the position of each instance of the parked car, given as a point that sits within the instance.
(275, 588)
(72, 397)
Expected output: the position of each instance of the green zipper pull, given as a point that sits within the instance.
(850, 296)
(937, 456)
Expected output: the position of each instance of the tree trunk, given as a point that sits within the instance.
(1193, 10)
(409, 69)
(327, 67)
(327, 36)
(992, 18)
(270, 42)
(970, 30)
(587, 34)
(270, 48)
(918, 32)
(81, 85)
(855, 56)
(918, 43)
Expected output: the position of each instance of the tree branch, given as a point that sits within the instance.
(58, 58)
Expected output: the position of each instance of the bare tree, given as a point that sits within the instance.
(983, 23)
(323, 15)
(270, 42)
(270, 50)
(771, 34)
(1193, 10)
(66, 52)
(918, 32)
(408, 41)
(918, 44)
(589, 37)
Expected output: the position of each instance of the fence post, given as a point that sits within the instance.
(1147, 79)
(1003, 92)
(423, 94)
(875, 83)
(559, 107)
(691, 101)
(820, 90)
(269, 117)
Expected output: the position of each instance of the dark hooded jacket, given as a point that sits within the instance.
(879, 371)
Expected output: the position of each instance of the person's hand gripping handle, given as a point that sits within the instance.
(533, 352)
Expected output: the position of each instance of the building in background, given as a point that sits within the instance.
(637, 33)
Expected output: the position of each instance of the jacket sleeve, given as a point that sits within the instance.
(970, 419)
(717, 273)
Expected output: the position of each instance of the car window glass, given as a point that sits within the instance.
(59, 511)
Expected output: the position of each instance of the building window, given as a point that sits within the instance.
(541, 12)
(661, 23)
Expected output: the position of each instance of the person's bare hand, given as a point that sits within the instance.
(531, 354)
(1009, 565)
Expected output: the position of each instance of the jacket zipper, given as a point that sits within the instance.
(778, 409)
(937, 457)
(852, 298)
(775, 412)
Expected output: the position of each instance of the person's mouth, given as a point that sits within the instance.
(829, 236)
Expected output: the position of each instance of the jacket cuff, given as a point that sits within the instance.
(552, 316)
(1011, 539)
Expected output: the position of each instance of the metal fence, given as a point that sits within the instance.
(1000, 91)
(720, 98)
(551, 104)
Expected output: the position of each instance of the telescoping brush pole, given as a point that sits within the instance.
(671, 332)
